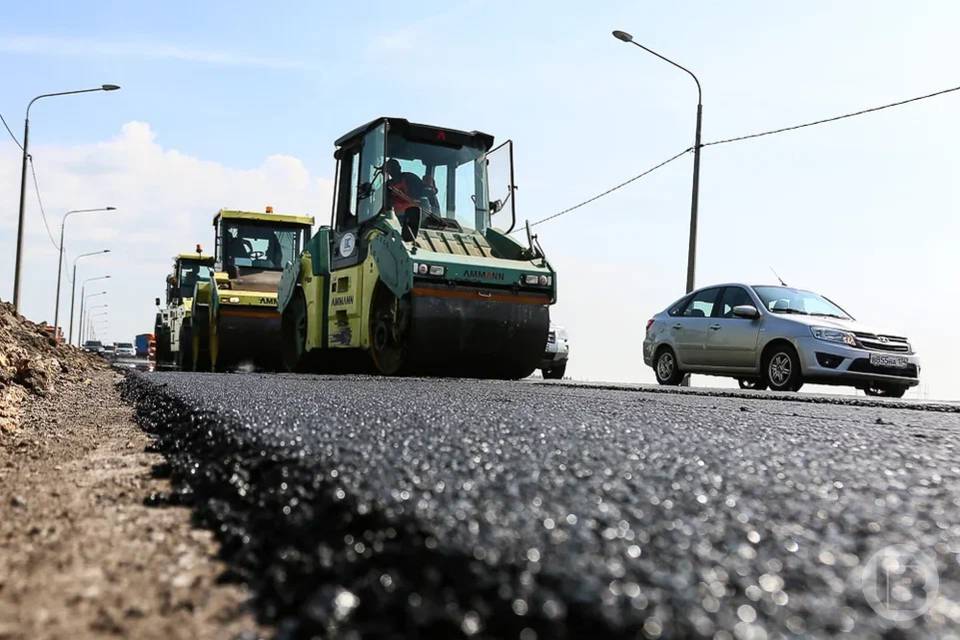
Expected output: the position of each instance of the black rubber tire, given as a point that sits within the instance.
(752, 384)
(200, 323)
(781, 368)
(390, 356)
(555, 373)
(886, 391)
(293, 327)
(669, 374)
(184, 360)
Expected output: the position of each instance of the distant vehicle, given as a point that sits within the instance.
(125, 350)
(93, 346)
(109, 351)
(776, 337)
(142, 342)
(554, 363)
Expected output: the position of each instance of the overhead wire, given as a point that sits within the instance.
(852, 114)
(612, 189)
(43, 213)
(7, 127)
(741, 138)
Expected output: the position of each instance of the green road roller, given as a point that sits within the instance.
(235, 321)
(413, 276)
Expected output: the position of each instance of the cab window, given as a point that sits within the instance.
(346, 217)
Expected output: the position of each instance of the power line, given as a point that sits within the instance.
(832, 119)
(746, 137)
(43, 213)
(7, 127)
(612, 189)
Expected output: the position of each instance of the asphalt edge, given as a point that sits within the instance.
(206, 470)
(849, 401)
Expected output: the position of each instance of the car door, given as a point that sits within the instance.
(689, 328)
(731, 341)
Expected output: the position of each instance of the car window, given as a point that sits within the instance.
(733, 297)
(678, 307)
(701, 304)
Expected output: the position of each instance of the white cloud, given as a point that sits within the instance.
(165, 202)
(65, 46)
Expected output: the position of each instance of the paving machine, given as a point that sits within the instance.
(236, 321)
(411, 274)
(173, 327)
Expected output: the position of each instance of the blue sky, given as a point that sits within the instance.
(237, 104)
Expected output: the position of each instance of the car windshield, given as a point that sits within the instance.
(92, 343)
(260, 246)
(125, 345)
(190, 272)
(448, 183)
(797, 301)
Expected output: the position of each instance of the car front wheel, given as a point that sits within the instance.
(781, 369)
(666, 369)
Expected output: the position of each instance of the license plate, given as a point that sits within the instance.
(884, 360)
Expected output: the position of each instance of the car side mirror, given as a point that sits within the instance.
(747, 311)
(410, 222)
(156, 301)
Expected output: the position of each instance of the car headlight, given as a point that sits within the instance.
(834, 335)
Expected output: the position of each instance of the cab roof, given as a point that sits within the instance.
(425, 132)
(205, 257)
(230, 214)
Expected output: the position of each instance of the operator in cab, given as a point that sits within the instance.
(409, 190)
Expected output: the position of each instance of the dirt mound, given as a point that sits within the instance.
(31, 362)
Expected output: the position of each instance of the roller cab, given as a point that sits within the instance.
(417, 272)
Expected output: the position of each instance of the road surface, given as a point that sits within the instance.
(446, 508)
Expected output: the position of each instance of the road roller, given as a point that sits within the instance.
(417, 272)
(172, 329)
(235, 322)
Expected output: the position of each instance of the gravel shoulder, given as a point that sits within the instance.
(81, 553)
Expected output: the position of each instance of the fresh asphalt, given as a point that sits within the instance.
(382, 507)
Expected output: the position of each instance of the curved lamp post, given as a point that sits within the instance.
(73, 285)
(63, 222)
(23, 179)
(84, 314)
(83, 297)
(692, 248)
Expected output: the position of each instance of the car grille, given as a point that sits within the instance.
(882, 343)
(552, 337)
(862, 365)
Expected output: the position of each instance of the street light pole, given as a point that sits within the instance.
(84, 316)
(73, 285)
(23, 181)
(695, 196)
(83, 290)
(63, 222)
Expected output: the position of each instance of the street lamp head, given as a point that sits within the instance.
(106, 251)
(110, 87)
(111, 208)
(623, 35)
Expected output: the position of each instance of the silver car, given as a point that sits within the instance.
(776, 337)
